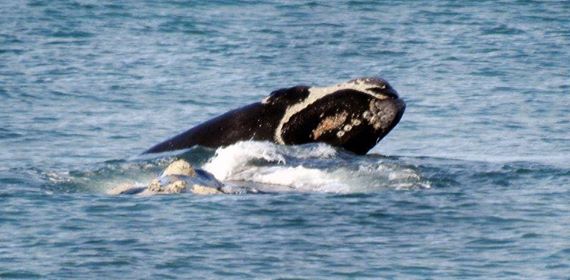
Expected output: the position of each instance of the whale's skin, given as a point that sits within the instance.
(354, 115)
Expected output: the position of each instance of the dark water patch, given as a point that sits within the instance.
(502, 30)
(71, 34)
(531, 235)
(388, 53)
(269, 31)
(82, 6)
(8, 134)
(67, 41)
(37, 3)
(354, 197)
(44, 119)
(10, 38)
(20, 274)
(12, 51)
(12, 181)
(186, 26)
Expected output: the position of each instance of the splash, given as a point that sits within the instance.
(257, 166)
(310, 168)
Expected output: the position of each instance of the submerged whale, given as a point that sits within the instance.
(179, 177)
(354, 115)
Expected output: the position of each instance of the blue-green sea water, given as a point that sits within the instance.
(473, 183)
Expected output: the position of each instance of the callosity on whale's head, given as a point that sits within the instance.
(354, 115)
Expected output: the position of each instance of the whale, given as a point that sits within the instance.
(178, 177)
(353, 115)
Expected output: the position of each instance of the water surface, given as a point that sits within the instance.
(473, 183)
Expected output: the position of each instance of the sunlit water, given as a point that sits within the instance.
(473, 183)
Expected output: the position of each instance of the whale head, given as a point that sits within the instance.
(354, 115)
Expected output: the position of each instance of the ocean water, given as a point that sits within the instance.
(473, 183)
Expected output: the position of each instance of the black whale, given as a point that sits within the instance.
(354, 115)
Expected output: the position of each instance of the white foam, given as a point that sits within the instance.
(267, 167)
(232, 159)
(308, 168)
(299, 177)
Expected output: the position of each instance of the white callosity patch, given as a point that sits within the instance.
(356, 122)
(179, 167)
(378, 115)
(316, 93)
(178, 177)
